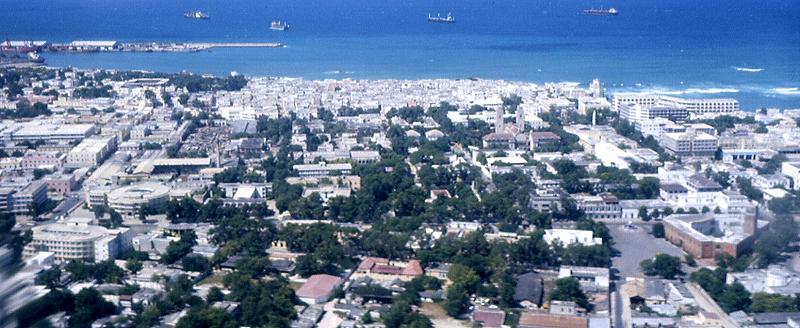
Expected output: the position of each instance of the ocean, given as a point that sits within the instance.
(744, 49)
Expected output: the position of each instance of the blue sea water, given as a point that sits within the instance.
(745, 49)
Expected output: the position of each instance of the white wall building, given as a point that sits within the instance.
(792, 171)
(568, 237)
(77, 239)
(92, 151)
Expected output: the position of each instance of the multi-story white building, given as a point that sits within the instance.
(20, 201)
(129, 200)
(694, 106)
(92, 151)
(632, 98)
(46, 131)
(60, 184)
(33, 194)
(638, 114)
(78, 240)
(702, 107)
(604, 206)
(690, 143)
(658, 126)
(34, 159)
(585, 104)
(322, 169)
(792, 170)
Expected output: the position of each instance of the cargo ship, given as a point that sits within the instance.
(279, 26)
(196, 15)
(439, 19)
(600, 12)
(19, 59)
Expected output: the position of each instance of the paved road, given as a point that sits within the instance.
(635, 246)
(616, 309)
(329, 319)
(708, 304)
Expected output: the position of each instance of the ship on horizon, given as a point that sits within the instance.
(439, 19)
(601, 12)
(196, 14)
(278, 26)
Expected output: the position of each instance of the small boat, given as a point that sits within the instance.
(279, 26)
(196, 15)
(439, 19)
(600, 12)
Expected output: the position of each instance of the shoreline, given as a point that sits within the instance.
(785, 93)
(751, 98)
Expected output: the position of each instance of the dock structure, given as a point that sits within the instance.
(239, 45)
(113, 46)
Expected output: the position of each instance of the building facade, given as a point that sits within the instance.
(78, 240)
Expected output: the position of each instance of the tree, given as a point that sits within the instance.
(734, 298)
(643, 214)
(770, 246)
(747, 189)
(712, 281)
(50, 278)
(731, 263)
(253, 266)
(690, 261)
(464, 276)
(263, 303)
(569, 289)
(103, 272)
(658, 230)
(457, 300)
(214, 295)
(195, 263)
(783, 205)
(664, 265)
(183, 99)
(178, 249)
(89, 306)
(366, 318)
(39, 173)
(133, 265)
(765, 302)
(207, 317)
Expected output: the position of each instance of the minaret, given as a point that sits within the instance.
(594, 117)
(596, 88)
(520, 120)
(498, 120)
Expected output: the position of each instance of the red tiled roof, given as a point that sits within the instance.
(318, 285)
(498, 136)
(546, 320)
(544, 135)
(370, 262)
(491, 318)
(387, 269)
(413, 269)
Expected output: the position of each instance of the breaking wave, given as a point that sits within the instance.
(677, 92)
(785, 91)
(747, 69)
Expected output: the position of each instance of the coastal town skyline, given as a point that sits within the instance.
(400, 164)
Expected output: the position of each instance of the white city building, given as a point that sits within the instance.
(568, 237)
(77, 239)
(92, 151)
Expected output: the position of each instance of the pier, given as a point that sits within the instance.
(240, 45)
(114, 46)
